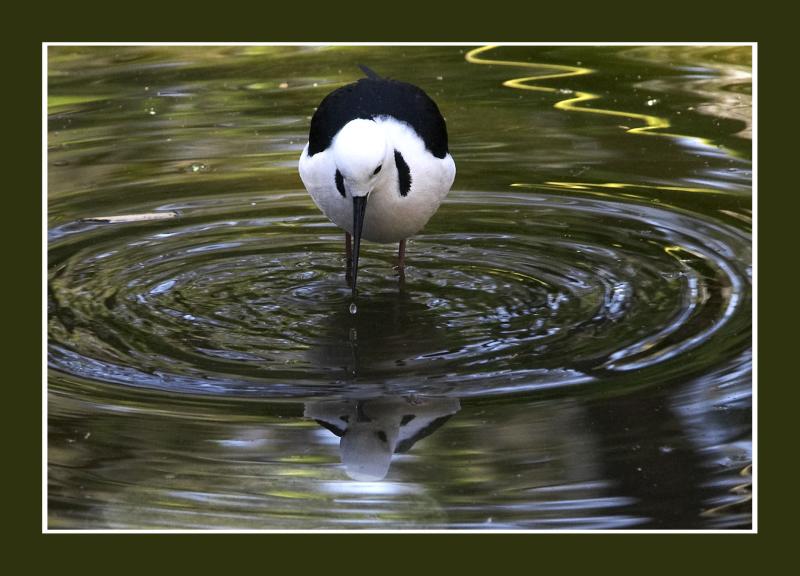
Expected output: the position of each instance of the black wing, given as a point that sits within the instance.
(375, 96)
(405, 444)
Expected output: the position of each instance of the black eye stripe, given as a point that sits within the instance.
(403, 173)
(340, 184)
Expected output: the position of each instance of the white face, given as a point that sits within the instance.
(366, 451)
(359, 151)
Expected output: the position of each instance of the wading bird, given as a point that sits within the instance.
(372, 430)
(377, 162)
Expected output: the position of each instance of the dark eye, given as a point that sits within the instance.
(378, 169)
(381, 435)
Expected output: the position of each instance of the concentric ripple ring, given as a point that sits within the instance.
(564, 290)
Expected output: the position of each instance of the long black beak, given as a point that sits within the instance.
(359, 208)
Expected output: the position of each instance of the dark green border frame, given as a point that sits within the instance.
(397, 21)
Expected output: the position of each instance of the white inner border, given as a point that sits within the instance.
(754, 184)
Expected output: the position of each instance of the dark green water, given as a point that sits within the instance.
(570, 349)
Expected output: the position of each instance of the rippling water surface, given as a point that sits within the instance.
(570, 346)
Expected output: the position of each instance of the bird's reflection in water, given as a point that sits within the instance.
(370, 351)
(372, 430)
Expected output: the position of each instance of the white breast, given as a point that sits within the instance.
(390, 217)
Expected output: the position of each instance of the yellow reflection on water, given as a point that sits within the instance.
(623, 186)
(622, 190)
(653, 125)
(743, 494)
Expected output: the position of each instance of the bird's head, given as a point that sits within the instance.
(366, 449)
(359, 150)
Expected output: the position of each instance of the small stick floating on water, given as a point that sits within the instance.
(122, 218)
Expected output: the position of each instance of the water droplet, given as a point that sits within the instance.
(353, 308)
(151, 111)
(198, 167)
(652, 101)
